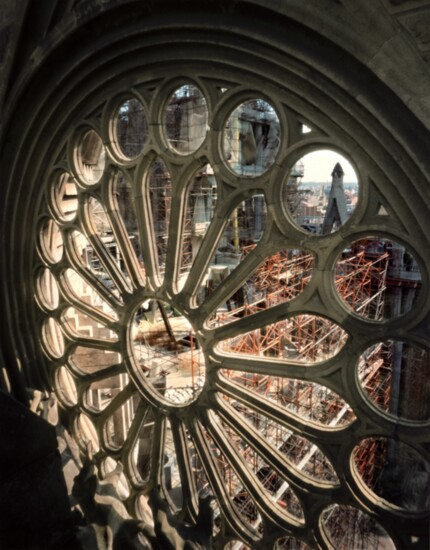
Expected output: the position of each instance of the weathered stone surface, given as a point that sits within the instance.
(418, 25)
(108, 523)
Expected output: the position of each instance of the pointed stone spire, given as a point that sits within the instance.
(337, 171)
(336, 213)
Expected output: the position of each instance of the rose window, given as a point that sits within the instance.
(199, 291)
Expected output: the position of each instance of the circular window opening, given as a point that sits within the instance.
(252, 137)
(394, 471)
(347, 527)
(131, 128)
(378, 278)
(167, 355)
(321, 191)
(186, 119)
(91, 157)
(395, 376)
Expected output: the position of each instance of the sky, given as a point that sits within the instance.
(319, 166)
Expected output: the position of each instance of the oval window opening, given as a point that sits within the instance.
(378, 278)
(252, 136)
(394, 471)
(186, 119)
(395, 376)
(321, 191)
(167, 354)
(131, 128)
(91, 157)
(347, 528)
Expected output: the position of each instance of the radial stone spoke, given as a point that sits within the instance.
(118, 400)
(203, 257)
(238, 276)
(158, 450)
(143, 213)
(110, 265)
(256, 320)
(93, 313)
(139, 417)
(108, 372)
(174, 239)
(218, 484)
(259, 365)
(268, 409)
(262, 501)
(99, 287)
(124, 246)
(101, 237)
(252, 437)
(96, 343)
(189, 490)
